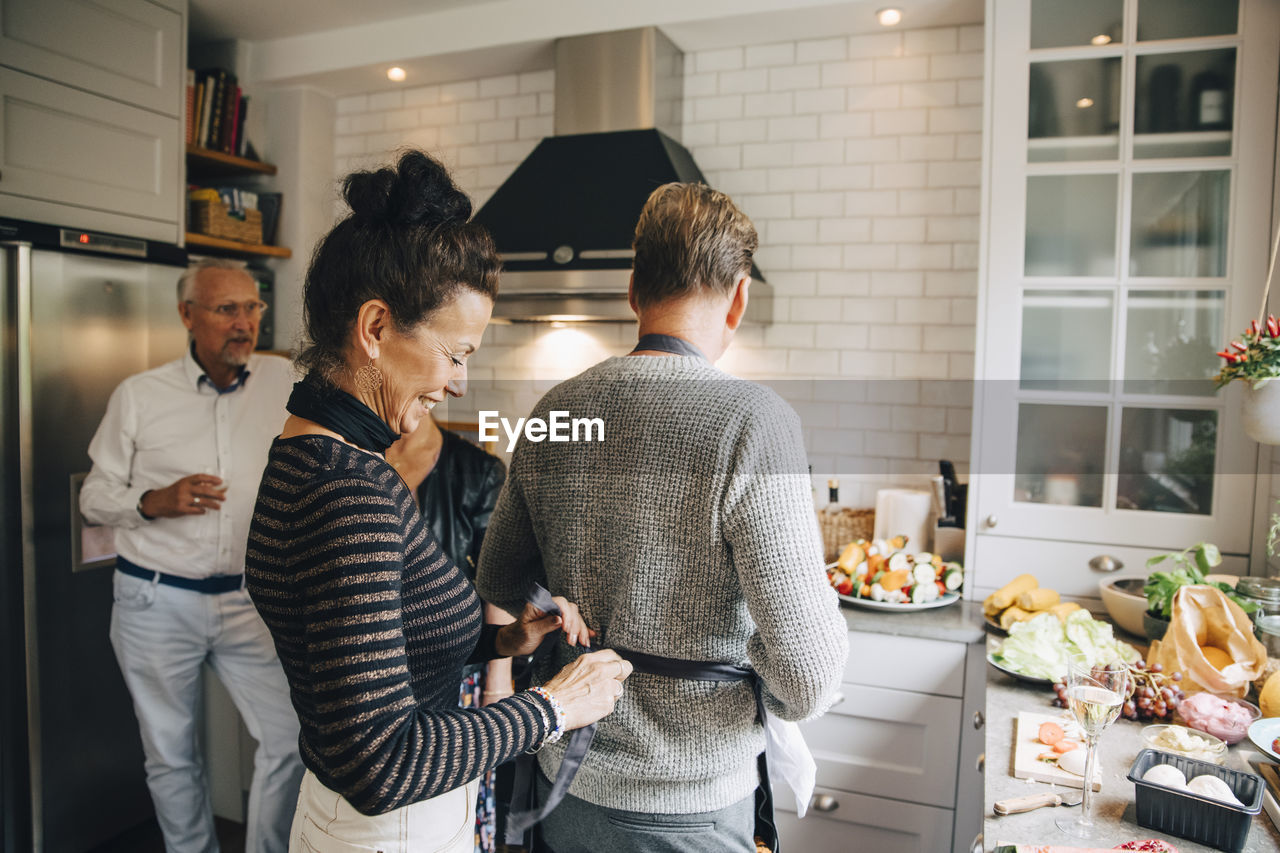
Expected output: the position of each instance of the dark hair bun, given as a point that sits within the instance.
(418, 191)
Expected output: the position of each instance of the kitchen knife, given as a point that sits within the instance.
(1017, 805)
(939, 498)
(950, 498)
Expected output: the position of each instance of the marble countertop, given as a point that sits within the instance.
(1113, 805)
(957, 623)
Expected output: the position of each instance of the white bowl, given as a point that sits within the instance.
(1125, 603)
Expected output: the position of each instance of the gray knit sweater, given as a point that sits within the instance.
(687, 533)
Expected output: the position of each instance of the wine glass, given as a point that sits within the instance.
(1095, 693)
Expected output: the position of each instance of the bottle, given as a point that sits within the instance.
(829, 522)
(1210, 101)
(833, 498)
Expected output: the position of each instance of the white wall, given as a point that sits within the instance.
(858, 158)
(299, 139)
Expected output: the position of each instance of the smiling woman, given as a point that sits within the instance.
(372, 621)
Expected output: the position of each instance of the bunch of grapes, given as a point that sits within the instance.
(1153, 694)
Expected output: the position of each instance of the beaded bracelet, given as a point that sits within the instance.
(558, 731)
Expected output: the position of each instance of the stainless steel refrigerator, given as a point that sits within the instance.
(78, 313)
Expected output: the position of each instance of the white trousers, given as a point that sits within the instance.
(162, 635)
(326, 823)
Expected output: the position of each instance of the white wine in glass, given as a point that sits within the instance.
(1095, 693)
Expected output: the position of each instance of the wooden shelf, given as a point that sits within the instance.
(203, 163)
(218, 246)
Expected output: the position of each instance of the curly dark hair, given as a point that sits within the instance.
(407, 241)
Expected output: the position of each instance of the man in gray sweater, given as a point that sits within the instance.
(687, 532)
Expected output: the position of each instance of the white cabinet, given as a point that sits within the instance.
(91, 113)
(127, 50)
(1127, 206)
(895, 760)
(860, 823)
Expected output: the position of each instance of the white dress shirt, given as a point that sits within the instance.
(170, 422)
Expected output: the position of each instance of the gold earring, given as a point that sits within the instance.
(368, 378)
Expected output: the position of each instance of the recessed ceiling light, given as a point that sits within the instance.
(889, 17)
(1084, 103)
(395, 74)
(1101, 39)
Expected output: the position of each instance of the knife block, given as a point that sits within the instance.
(948, 543)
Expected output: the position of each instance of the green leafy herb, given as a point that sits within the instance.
(1191, 566)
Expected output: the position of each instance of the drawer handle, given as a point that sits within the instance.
(824, 803)
(1105, 563)
(993, 520)
(979, 720)
(838, 699)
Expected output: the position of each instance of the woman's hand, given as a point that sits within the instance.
(589, 687)
(523, 636)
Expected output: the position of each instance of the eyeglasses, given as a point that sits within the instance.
(230, 310)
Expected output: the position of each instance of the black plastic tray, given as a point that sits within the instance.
(1219, 825)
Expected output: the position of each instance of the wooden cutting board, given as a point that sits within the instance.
(1027, 748)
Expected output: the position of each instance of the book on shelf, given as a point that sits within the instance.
(240, 117)
(191, 106)
(216, 111)
(216, 108)
(202, 131)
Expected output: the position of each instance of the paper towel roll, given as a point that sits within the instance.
(905, 512)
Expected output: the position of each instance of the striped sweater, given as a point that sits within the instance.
(373, 624)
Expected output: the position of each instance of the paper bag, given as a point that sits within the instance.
(1204, 616)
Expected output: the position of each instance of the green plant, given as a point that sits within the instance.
(1190, 567)
(1254, 358)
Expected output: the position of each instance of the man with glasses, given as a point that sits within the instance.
(176, 464)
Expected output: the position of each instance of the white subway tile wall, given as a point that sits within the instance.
(859, 161)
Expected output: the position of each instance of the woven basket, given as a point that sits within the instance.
(839, 529)
(208, 217)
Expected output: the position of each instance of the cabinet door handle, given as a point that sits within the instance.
(982, 762)
(979, 719)
(976, 846)
(824, 803)
(838, 699)
(993, 520)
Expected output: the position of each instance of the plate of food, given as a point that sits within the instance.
(867, 603)
(1265, 735)
(997, 661)
(884, 575)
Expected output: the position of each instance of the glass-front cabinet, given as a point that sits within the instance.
(1129, 178)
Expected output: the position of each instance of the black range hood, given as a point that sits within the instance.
(565, 219)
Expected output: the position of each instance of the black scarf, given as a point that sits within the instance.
(668, 343)
(336, 410)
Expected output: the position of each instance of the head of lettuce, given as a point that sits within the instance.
(1040, 647)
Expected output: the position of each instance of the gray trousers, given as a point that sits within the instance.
(577, 826)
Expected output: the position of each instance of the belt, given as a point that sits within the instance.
(212, 585)
(524, 814)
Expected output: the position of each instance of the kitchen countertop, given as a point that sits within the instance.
(956, 623)
(1113, 805)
